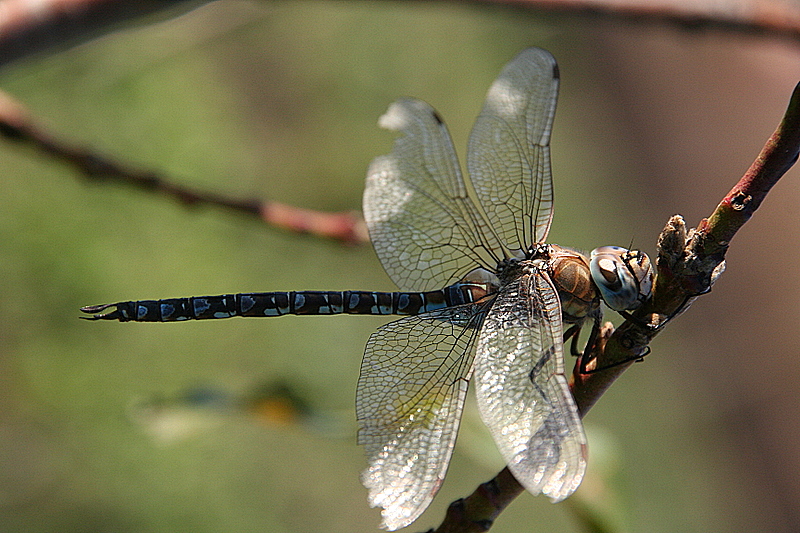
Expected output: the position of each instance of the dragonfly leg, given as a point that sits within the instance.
(590, 345)
(573, 332)
(586, 356)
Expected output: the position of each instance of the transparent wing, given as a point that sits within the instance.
(509, 154)
(425, 229)
(522, 392)
(408, 402)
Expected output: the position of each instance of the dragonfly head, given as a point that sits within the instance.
(624, 277)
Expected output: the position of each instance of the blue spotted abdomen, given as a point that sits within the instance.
(262, 304)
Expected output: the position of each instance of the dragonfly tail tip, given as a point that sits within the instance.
(96, 312)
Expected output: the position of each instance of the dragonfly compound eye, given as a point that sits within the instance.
(624, 277)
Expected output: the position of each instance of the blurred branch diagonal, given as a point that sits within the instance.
(17, 125)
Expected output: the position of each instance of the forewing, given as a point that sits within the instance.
(408, 402)
(425, 229)
(522, 392)
(509, 154)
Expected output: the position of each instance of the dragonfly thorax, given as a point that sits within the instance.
(569, 270)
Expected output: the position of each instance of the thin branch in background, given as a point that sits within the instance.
(688, 264)
(774, 17)
(17, 125)
(30, 26)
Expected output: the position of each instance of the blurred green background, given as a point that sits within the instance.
(152, 427)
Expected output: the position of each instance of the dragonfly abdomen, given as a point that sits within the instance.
(263, 304)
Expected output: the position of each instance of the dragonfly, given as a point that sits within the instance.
(508, 305)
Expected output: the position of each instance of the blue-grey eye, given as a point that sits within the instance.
(624, 277)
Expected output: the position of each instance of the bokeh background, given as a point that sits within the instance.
(197, 427)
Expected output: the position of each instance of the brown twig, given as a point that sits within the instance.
(774, 17)
(28, 26)
(17, 125)
(688, 264)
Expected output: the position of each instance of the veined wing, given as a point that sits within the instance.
(522, 392)
(509, 154)
(408, 403)
(424, 227)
